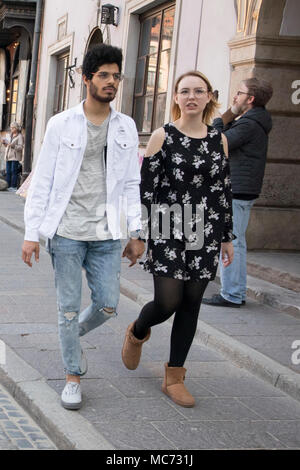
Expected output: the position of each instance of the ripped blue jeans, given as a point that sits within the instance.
(101, 261)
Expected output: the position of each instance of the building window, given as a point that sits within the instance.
(152, 72)
(60, 96)
(14, 99)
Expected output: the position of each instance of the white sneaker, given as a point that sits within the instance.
(71, 396)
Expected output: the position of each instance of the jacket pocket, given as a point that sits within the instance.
(123, 148)
(67, 159)
(68, 143)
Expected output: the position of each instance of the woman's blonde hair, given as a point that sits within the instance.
(210, 108)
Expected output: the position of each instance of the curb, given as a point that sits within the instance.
(266, 293)
(17, 227)
(68, 430)
(254, 361)
(244, 356)
(280, 278)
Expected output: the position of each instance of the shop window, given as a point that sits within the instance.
(14, 99)
(153, 65)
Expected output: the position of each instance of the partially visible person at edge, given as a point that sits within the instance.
(13, 156)
(87, 166)
(185, 164)
(246, 126)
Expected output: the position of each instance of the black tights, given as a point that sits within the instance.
(173, 295)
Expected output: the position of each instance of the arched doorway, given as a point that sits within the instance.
(94, 39)
(267, 46)
(15, 63)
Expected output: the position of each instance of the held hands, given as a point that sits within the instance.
(134, 250)
(227, 253)
(27, 251)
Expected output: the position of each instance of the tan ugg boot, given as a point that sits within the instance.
(173, 386)
(132, 348)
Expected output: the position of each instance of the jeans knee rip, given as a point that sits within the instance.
(70, 315)
(108, 310)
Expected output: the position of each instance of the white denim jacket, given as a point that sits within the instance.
(58, 166)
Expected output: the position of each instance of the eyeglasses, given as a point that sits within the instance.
(243, 93)
(197, 92)
(106, 75)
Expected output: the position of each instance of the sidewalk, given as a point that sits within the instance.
(126, 409)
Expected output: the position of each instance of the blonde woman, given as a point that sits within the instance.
(185, 164)
(13, 156)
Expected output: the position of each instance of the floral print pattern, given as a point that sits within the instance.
(187, 171)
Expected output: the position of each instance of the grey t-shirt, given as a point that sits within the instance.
(85, 216)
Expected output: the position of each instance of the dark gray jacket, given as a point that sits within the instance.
(248, 144)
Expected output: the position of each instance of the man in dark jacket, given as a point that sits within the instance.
(246, 125)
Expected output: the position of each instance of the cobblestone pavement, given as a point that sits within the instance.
(17, 430)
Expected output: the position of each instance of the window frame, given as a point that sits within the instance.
(59, 58)
(162, 9)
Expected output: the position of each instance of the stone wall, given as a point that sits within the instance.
(259, 50)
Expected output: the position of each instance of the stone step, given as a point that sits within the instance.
(279, 277)
(271, 294)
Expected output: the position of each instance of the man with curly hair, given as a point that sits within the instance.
(87, 171)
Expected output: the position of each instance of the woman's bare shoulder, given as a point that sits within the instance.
(155, 142)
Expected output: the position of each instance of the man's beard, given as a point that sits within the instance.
(241, 108)
(101, 99)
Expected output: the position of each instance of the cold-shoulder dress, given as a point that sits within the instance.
(187, 181)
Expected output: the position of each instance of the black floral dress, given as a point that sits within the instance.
(186, 198)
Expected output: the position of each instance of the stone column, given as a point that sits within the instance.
(259, 50)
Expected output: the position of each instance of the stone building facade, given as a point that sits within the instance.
(267, 45)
